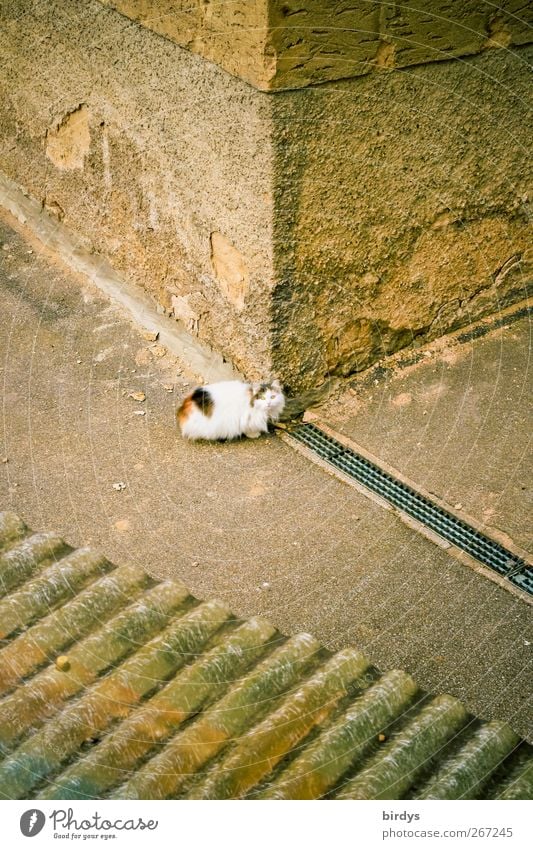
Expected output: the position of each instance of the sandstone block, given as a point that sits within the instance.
(282, 44)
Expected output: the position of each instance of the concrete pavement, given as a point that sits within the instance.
(252, 522)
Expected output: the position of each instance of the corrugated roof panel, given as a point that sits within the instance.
(115, 685)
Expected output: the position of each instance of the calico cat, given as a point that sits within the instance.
(229, 409)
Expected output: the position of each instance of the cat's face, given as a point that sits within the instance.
(268, 397)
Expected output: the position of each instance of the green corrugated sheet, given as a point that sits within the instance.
(115, 685)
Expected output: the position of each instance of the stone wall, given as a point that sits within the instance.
(280, 44)
(234, 33)
(402, 209)
(158, 160)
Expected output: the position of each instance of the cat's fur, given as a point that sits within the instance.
(229, 409)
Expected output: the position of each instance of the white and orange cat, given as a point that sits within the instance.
(229, 409)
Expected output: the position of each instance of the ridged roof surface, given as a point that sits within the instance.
(115, 685)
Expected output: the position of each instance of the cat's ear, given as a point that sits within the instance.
(256, 388)
(276, 385)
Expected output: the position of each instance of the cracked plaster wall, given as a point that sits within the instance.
(305, 232)
(158, 160)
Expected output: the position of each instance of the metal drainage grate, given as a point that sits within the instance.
(450, 528)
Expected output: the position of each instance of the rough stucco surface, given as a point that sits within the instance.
(118, 686)
(146, 151)
(276, 44)
(232, 33)
(317, 40)
(402, 204)
(301, 233)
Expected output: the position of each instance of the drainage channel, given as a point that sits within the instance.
(404, 498)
